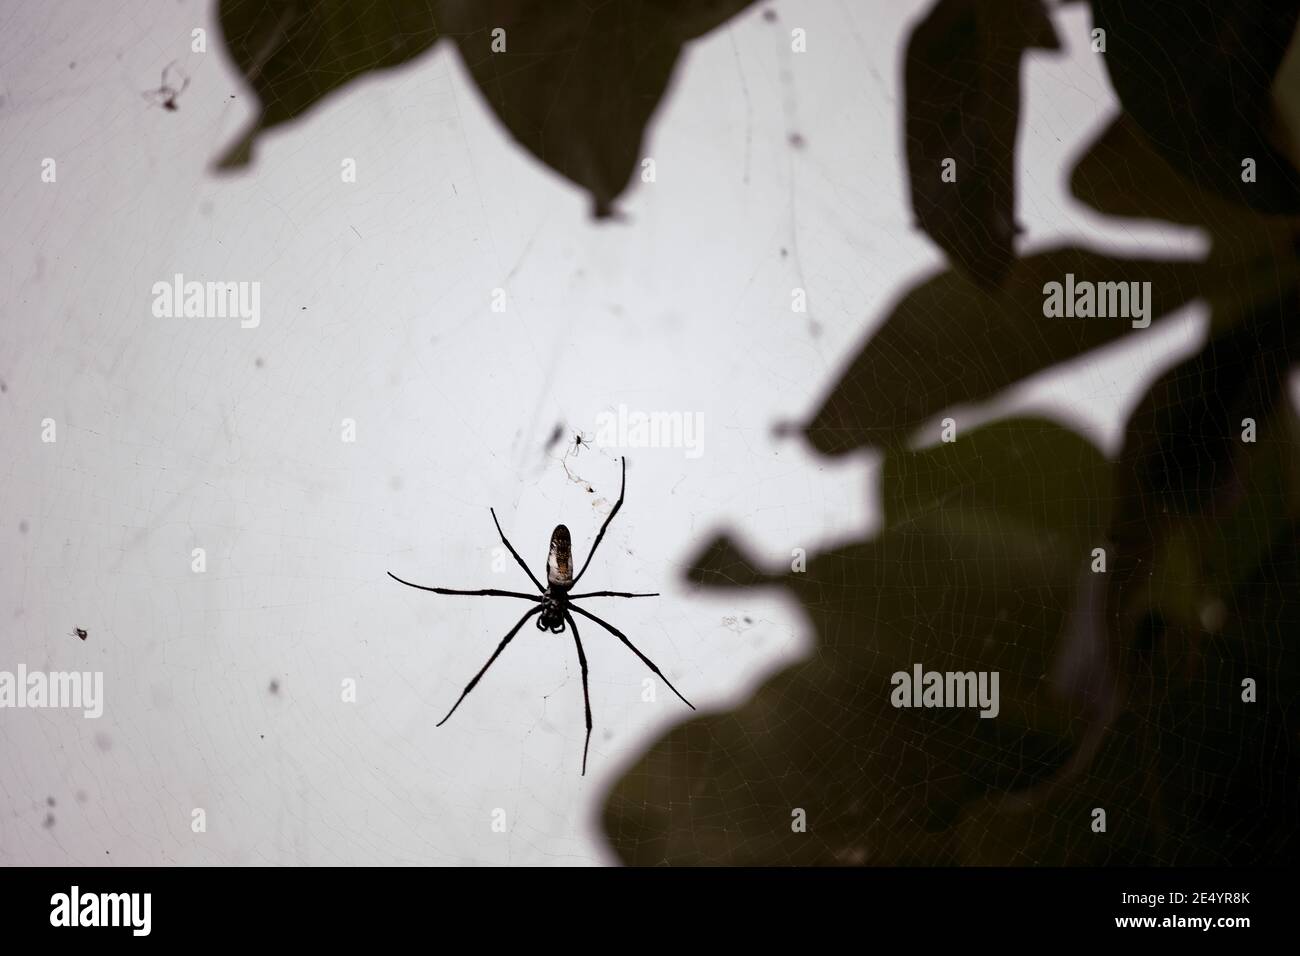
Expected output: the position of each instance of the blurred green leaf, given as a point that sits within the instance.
(1198, 79)
(879, 785)
(1197, 508)
(1286, 101)
(692, 18)
(1033, 472)
(578, 83)
(1192, 774)
(1215, 754)
(574, 83)
(982, 583)
(1196, 503)
(1183, 453)
(1122, 174)
(1055, 828)
(949, 341)
(1204, 555)
(294, 53)
(962, 82)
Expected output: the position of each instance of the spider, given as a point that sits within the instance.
(556, 607)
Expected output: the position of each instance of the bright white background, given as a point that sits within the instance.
(376, 307)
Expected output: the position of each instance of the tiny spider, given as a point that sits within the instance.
(580, 442)
(554, 604)
(165, 95)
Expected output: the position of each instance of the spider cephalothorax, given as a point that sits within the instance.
(555, 607)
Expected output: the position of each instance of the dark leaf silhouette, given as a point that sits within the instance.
(1202, 590)
(295, 53)
(1253, 260)
(1238, 754)
(1175, 770)
(1054, 830)
(983, 582)
(949, 341)
(574, 83)
(1286, 102)
(1199, 510)
(1122, 174)
(1123, 683)
(692, 18)
(962, 79)
(577, 85)
(1013, 469)
(1191, 495)
(1198, 79)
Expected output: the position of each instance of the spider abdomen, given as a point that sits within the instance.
(559, 562)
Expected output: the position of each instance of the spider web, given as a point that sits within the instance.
(176, 435)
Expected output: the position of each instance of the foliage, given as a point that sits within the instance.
(574, 83)
(1121, 690)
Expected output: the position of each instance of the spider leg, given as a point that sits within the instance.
(618, 504)
(487, 592)
(610, 594)
(495, 654)
(586, 694)
(644, 660)
(511, 547)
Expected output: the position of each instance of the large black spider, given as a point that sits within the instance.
(554, 606)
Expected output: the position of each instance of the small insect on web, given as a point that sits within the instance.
(167, 91)
(556, 607)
